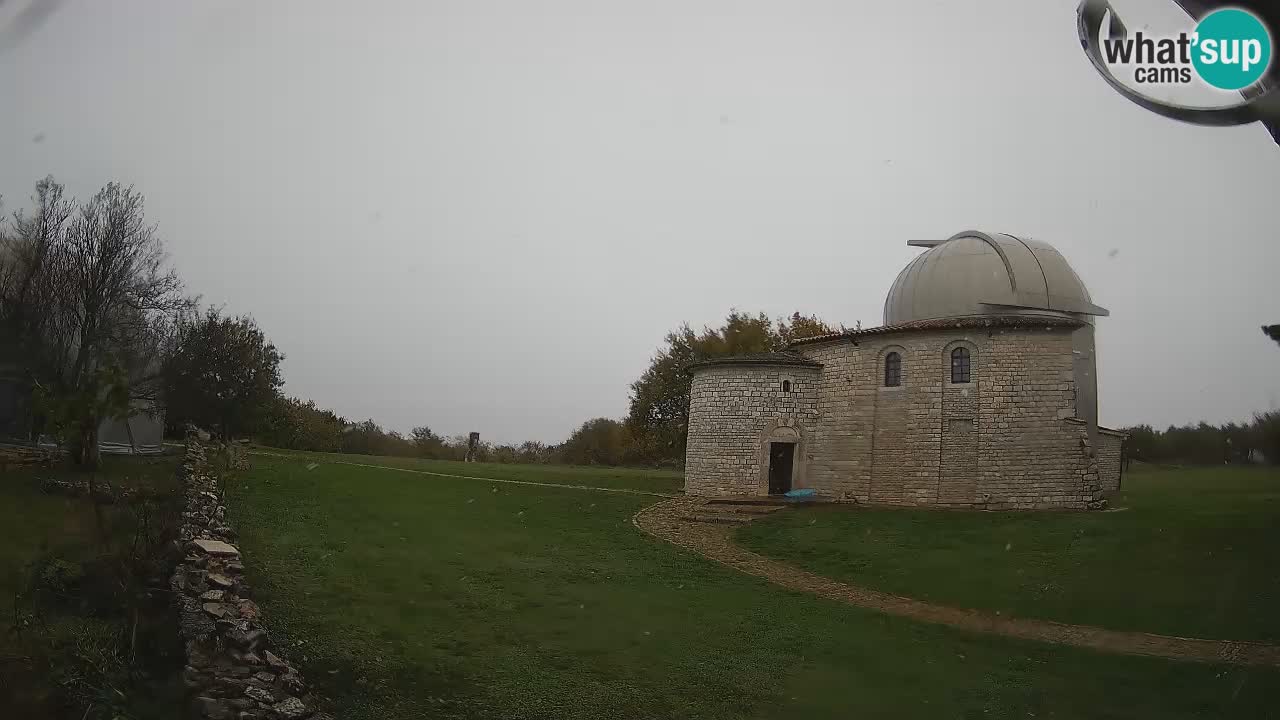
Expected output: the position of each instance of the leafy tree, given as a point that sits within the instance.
(659, 413)
(223, 374)
(1272, 331)
(394, 443)
(505, 454)
(597, 442)
(295, 425)
(803, 326)
(361, 438)
(1266, 435)
(1205, 444)
(368, 438)
(87, 299)
(426, 443)
(532, 451)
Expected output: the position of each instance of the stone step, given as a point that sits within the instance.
(743, 509)
(750, 501)
(718, 519)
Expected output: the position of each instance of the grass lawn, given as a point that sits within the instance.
(429, 597)
(1194, 553)
(35, 527)
(650, 480)
(33, 523)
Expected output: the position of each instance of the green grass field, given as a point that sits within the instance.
(33, 523)
(1193, 553)
(645, 479)
(411, 596)
(41, 661)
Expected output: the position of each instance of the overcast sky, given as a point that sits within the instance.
(486, 215)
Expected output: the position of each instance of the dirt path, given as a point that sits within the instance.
(664, 520)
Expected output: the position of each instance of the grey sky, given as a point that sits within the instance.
(485, 215)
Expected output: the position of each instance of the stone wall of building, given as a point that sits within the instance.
(842, 436)
(1110, 459)
(1031, 457)
(1001, 441)
(733, 412)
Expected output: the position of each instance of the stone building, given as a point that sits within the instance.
(978, 391)
(141, 433)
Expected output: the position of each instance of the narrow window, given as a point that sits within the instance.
(892, 370)
(960, 365)
(786, 386)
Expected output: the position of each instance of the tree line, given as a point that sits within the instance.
(244, 399)
(96, 325)
(1204, 444)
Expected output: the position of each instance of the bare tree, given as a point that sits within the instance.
(28, 279)
(86, 293)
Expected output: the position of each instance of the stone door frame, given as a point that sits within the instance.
(786, 430)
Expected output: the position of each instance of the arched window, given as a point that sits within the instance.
(786, 386)
(892, 370)
(960, 365)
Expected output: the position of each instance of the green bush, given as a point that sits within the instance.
(59, 575)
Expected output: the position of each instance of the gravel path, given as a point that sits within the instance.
(664, 520)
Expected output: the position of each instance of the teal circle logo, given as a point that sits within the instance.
(1232, 49)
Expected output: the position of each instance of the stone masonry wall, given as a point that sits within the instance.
(1110, 458)
(16, 457)
(732, 409)
(1030, 455)
(1001, 441)
(959, 432)
(232, 672)
(842, 438)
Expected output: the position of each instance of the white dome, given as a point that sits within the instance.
(978, 273)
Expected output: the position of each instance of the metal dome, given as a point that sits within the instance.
(978, 273)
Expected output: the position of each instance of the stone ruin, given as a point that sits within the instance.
(13, 457)
(232, 672)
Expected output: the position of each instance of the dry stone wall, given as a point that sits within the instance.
(14, 457)
(232, 672)
(102, 492)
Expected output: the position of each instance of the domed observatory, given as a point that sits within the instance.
(979, 390)
(976, 273)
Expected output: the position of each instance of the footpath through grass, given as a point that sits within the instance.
(1193, 552)
(429, 597)
(646, 479)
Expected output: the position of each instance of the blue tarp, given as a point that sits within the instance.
(801, 494)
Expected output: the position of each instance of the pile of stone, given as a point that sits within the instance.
(237, 454)
(232, 672)
(13, 457)
(103, 492)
